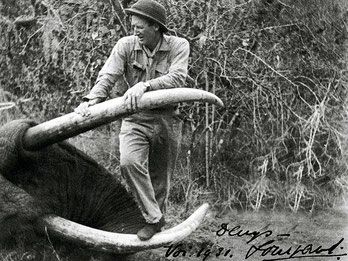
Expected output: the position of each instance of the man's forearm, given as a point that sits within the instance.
(171, 80)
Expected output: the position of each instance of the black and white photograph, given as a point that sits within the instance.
(173, 130)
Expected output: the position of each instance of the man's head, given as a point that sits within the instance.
(147, 31)
(148, 18)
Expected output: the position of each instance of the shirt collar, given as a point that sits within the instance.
(164, 45)
(149, 53)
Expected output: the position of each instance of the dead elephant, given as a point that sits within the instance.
(59, 188)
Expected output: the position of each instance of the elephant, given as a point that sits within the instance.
(47, 184)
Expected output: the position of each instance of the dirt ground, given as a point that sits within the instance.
(298, 235)
(232, 236)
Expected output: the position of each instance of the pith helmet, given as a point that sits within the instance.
(149, 9)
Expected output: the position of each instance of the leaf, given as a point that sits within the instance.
(103, 30)
(245, 42)
(94, 35)
(118, 28)
(202, 40)
(113, 32)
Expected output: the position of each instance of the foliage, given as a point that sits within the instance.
(58, 57)
(279, 66)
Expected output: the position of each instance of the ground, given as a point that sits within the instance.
(225, 237)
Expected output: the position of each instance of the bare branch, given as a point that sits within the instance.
(116, 6)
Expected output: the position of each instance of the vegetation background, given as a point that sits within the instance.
(280, 67)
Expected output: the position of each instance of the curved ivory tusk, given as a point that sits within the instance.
(72, 124)
(122, 243)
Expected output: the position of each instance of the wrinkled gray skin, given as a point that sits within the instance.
(60, 180)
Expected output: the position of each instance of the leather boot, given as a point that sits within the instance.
(149, 230)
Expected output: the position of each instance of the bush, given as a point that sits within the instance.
(279, 66)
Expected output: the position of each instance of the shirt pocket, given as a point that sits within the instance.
(161, 69)
(135, 72)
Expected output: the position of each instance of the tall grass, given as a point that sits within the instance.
(281, 69)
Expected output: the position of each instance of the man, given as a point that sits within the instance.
(149, 140)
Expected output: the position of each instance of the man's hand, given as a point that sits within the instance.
(83, 110)
(133, 95)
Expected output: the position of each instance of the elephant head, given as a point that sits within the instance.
(59, 188)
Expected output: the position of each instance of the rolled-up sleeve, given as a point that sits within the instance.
(177, 71)
(112, 70)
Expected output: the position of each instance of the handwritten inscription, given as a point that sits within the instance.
(262, 244)
(238, 232)
(270, 250)
(181, 250)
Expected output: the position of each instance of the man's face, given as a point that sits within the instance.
(145, 32)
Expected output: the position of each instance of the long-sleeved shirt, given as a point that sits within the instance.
(128, 65)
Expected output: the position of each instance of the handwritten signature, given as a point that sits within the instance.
(263, 244)
(276, 252)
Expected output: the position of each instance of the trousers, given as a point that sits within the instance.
(149, 146)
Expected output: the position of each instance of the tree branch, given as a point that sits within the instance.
(25, 21)
(118, 9)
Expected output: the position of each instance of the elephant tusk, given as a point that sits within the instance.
(121, 243)
(73, 124)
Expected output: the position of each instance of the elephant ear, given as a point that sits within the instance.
(19, 211)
